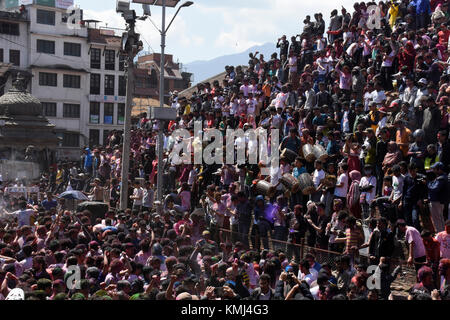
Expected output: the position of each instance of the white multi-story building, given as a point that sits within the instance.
(14, 42)
(107, 85)
(76, 72)
(59, 65)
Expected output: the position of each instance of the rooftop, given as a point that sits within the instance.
(104, 36)
(14, 16)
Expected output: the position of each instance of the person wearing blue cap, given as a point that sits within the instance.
(437, 194)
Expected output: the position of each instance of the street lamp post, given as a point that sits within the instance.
(159, 183)
(163, 33)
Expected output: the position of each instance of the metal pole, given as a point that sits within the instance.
(161, 104)
(127, 129)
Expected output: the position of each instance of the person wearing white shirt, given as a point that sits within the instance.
(322, 66)
(23, 215)
(397, 184)
(276, 121)
(317, 176)
(383, 121)
(410, 93)
(367, 97)
(352, 48)
(422, 91)
(137, 197)
(378, 95)
(280, 100)
(368, 187)
(310, 96)
(341, 188)
(193, 175)
(251, 104)
(321, 44)
(176, 105)
(245, 88)
(275, 176)
(148, 197)
(305, 273)
(234, 107)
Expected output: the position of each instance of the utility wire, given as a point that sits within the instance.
(151, 48)
(34, 50)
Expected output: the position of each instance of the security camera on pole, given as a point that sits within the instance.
(131, 46)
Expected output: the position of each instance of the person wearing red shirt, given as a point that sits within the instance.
(443, 35)
(433, 252)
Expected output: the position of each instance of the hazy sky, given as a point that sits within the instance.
(212, 28)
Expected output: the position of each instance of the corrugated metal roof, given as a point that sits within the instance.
(141, 105)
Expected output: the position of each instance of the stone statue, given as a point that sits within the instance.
(20, 83)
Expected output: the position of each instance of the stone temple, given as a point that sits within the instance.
(27, 138)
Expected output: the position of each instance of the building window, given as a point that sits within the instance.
(109, 85)
(1, 55)
(122, 60)
(153, 79)
(96, 58)
(122, 86)
(95, 83)
(48, 79)
(121, 113)
(94, 116)
(72, 49)
(49, 109)
(71, 110)
(45, 17)
(14, 57)
(71, 81)
(108, 113)
(9, 28)
(142, 82)
(94, 137)
(45, 46)
(110, 60)
(71, 140)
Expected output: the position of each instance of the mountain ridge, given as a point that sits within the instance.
(204, 69)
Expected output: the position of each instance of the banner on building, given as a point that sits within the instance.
(25, 2)
(107, 99)
(63, 4)
(95, 118)
(11, 4)
(47, 3)
(108, 120)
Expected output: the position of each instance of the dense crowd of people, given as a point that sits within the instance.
(371, 99)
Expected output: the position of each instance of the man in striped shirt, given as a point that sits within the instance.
(353, 237)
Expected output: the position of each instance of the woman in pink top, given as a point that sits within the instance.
(185, 196)
(345, 78)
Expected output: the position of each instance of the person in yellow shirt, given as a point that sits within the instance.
(59, 175)
(267, 90)
(374, 117)
(393, 13)
(187, 109)
(402, 137)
